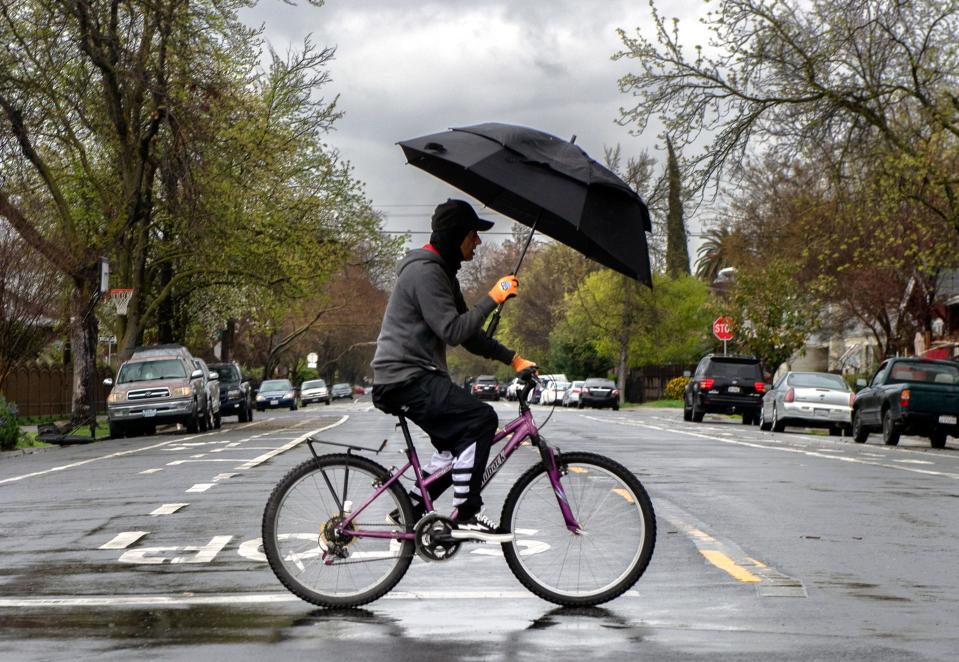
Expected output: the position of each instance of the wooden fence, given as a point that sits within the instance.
(48, 391)
(649, 383)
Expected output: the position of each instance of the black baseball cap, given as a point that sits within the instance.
(457, 215)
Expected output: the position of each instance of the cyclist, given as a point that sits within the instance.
(426, 312)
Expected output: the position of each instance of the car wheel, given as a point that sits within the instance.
(938, 439)
(697, 413)
(327, 403)
(890, 433)
(778, 426)
(835, 431)
(616, 407)
(764, 425)
(747, 418)
(217, 421)
(859, 432)
(117, 431)
(687, 411)
(249, 412)
(193, 423)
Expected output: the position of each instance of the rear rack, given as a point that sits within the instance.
(350, 447)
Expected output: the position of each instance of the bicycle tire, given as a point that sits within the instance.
(534, 484)
(288, 565)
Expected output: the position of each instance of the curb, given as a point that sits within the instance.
(17, 452)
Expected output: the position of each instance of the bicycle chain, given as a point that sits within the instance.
(373, 526)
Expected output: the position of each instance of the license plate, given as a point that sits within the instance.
(948, 420)
(822, 412)
(733, 389)
(149, 413)
(273, 403)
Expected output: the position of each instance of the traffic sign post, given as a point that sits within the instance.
(723, 330)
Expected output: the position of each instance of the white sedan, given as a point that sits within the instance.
(808, 399)
(553, 393)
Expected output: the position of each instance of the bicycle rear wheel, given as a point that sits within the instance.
(613, 509)
(298, 523)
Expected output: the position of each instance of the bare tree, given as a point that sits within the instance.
(29, 289)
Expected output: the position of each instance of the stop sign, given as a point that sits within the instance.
(723, 328)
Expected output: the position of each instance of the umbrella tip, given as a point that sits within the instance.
(572, 140)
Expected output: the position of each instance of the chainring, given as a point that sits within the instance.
(433, 541)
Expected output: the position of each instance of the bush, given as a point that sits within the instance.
(675, 388)
(9, 428)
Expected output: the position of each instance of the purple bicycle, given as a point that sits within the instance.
(338, 529)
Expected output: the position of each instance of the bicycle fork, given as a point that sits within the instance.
(555, 474)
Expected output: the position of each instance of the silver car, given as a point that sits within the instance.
(808, 399)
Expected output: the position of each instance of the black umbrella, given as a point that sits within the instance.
(544, 182)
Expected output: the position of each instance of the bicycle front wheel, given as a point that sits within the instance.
(589, 568)
(319, 565)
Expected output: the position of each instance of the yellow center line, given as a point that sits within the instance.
(729, 566)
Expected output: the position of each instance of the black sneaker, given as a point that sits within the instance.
(479, 527)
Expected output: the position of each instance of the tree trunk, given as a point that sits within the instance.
(84, 329)
(623, 344)
(229, 336)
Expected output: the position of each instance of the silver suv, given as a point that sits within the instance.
(158, 385)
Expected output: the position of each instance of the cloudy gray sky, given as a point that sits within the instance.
(406, 68)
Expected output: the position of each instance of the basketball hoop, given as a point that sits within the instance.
(120, 298)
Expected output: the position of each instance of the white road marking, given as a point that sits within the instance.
(198, 456)
(176, 462)
(152, 471)
(914, 461)
(217, 478)
(248, 598)
(169, 508)
(124, 540)
(786, 449)
(73, 465)
(201, 487)
(285, 447)
(158, 555)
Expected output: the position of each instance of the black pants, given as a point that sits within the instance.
(455, 421)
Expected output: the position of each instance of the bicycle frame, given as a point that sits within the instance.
(518, 431)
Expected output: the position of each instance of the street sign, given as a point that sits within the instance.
(311, 359)
(723, 328)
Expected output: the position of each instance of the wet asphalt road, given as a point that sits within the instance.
(794, 546)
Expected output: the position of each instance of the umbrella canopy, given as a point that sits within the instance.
(546, 183)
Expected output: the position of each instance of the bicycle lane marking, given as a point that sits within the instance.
(285, 447)
(786, 449)
(73, 465)
(202, 553)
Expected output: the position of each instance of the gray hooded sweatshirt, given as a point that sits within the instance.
(426, 312)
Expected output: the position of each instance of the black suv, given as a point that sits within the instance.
(236, 396)
(486, 387)
(725, 385)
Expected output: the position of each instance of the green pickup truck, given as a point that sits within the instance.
(909, 396)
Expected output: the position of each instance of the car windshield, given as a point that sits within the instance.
(599, 383)
(486, 380)
(315, 383)
(227, 372)
(145, 371)
(276, 385)
(341, 387)
(817, 380)
(734, 370)
(559, 386)
(932, 373)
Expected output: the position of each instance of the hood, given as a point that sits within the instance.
(420, 255)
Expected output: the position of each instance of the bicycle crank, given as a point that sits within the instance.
(433, 539)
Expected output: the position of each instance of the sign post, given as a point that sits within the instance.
(723, 330)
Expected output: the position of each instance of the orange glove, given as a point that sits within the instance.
(505, 288)
(520, 364)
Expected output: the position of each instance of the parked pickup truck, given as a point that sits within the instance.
(909, 396)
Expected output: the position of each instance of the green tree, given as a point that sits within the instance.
(773, 312)
(677, 253)
(788, 75)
